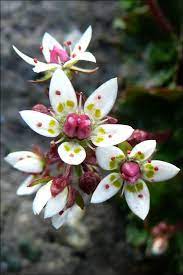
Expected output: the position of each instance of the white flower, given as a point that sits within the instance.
(70, 216)
(57, 56)
(27, 162)
(130, 173)
(74, 125)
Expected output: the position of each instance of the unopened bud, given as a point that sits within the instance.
(40, 108)
(88, 182)
(71, 198)
(58, 185)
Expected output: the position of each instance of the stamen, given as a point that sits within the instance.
(41, 48)
(35, 60)
(149, 161)
(109, 136)
(156, 168)
(140, 196)
(107, 186)
(59, 140)
(112, 158)
(79, 47)
(80, 102)
(99, 97)
(90, 146)
(73, 55)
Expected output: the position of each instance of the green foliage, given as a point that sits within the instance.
(151, 50)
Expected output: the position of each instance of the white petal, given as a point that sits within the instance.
(101, 101)
(42, 124)
(41, 198)
(25, 190)
(42, 67)
(107, 188)
(71, 153)
(30, 165)
(62, 95)
(56, 204)
(26, 58)
(143, 150)
(84, 41)
(59, 220)
(75, 214)
(138, 200)
(86, 56)
(109, 158)
(111, 134)
(48, 43)
(14, 157)
(159, 170)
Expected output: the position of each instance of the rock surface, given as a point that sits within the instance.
(29, 244)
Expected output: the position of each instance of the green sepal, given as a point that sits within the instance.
(80, 201)
(40, 181)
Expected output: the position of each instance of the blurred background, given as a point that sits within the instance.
(140, 42)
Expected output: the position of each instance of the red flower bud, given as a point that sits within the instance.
(88, 182)
(58, 185)
(72, 194)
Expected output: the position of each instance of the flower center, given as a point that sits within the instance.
(58, 55)
(77, 126)
(130, 171)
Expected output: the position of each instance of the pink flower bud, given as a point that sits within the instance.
(40, 108)
(78, 126)
(58, 55)
(88, 182)
(130, 171)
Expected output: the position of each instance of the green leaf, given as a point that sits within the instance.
(80, 201)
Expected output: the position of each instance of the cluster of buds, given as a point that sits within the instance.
(83, 139)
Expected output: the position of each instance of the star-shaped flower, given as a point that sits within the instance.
(129, 174)
(58, 56)
(75, 125)
(30, 163)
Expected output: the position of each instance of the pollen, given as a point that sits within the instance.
(77, 150)
(60, 107)
(97, 113)
(70, 103)
(51, 131)
(117, 183)
(52, 123)
(58, 92)
(39, 124)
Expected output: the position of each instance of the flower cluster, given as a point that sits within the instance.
(83, 139)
